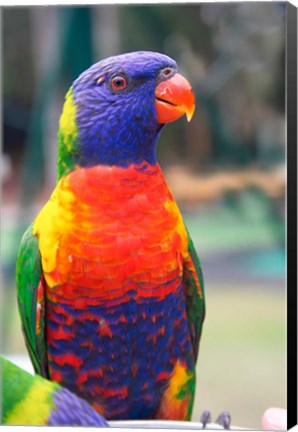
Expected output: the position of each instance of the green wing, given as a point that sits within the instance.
(195, 297)
(30, 293)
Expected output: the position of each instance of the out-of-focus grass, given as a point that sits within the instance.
(242, 361)
(248, 224)
(12, 337)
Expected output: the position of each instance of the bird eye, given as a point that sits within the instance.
(118, 83)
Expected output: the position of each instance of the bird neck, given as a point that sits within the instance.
(68, 137)
(122, 156)
(82, 143)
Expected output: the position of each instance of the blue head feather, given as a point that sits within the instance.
(119, 127)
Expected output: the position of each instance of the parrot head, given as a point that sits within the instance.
(115, 110)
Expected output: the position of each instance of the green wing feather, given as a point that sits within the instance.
(30, 292)
(15, 385)
(193, 283)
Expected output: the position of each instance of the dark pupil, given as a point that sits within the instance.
(118, 82)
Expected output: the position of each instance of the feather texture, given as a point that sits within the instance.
(110, 288)
(32, 400)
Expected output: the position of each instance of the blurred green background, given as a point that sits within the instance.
(226, 168)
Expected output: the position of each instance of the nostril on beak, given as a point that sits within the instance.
(166, 73)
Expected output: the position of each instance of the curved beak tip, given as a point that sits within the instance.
(190, 112)
(174, 98)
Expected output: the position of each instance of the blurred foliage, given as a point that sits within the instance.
(233, 54)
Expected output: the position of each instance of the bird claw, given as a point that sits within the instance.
(205, 418)
(224, 419)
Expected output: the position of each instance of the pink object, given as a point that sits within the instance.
(274, 419)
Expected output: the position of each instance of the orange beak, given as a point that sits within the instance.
(174, 98)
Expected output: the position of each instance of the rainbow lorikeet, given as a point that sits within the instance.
(110, 288)
(33, 400)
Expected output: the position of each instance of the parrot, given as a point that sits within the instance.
(33, 400)
(110, 288)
